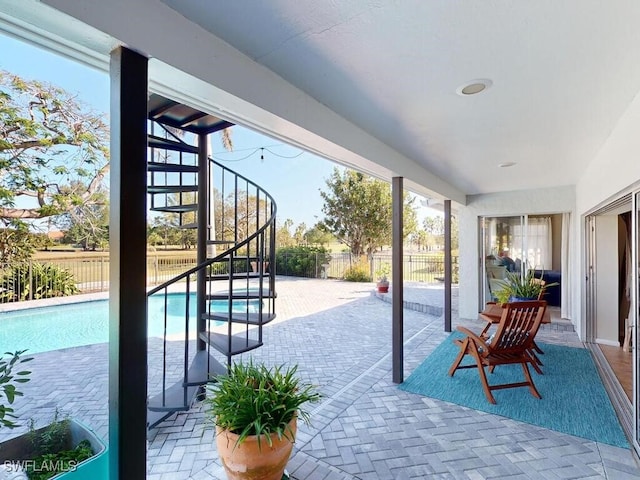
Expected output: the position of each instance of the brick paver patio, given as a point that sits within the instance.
(365, 427)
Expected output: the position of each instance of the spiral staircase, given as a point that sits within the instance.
(218, 308)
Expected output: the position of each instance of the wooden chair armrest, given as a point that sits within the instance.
(478, 340)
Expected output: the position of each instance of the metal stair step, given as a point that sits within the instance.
(236, 276)
(239, 343)
(155, 418)
(171, 167)
(155, 189)
(244, 258)
(192, 207)
(250, 318)
(202, 368)
(173, 399)
(167, 144)
(250, 294)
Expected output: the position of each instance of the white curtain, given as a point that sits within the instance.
(539, 246)
(537, 242)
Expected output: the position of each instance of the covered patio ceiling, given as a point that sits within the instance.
(377, 85)
(560, 74)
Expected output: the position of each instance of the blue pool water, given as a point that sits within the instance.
(63, 326)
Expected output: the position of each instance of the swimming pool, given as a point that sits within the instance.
(73, 325)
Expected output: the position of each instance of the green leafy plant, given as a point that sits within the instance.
(383, 272)
(256, 400)
(527, 286)
(503, 295)
(357, 273)
(33, 281)
(53, 450)
(52, 438)
(301, 261)
(8, 385)
(50, 464)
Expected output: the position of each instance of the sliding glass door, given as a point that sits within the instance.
(633, 317)
(516, 244)
(502, 247)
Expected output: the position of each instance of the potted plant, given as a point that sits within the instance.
(63, 449)
(516, 288)
(383, 283)
(255, 411)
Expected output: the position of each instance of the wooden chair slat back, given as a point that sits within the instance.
(518, 326)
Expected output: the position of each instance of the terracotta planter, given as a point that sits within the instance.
(383, 287)
(248, 461)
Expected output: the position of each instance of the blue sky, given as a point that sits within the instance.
(292, 176)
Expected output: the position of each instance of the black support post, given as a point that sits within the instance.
(128, 267)
(203, 228)
(447, 265)
(397, 284)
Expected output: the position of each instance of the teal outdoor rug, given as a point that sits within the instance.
(573, 398)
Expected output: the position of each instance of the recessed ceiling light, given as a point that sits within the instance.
(507, 164)
(474, 86)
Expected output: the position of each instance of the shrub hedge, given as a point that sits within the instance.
(301, 261)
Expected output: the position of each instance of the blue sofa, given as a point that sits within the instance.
(552, 295)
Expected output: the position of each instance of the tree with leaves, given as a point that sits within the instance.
(434, 227)
(16, 244)
(317, 235)
(87, 225)
(419, 239)
(358, 211)
(53, 151)
(238, 215)
(164, 230)
(284, 238)
(299, 234)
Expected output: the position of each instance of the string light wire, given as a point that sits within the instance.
(254, 151)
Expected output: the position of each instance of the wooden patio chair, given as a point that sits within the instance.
(511, 344)
(536, 348)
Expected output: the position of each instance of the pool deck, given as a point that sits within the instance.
(365, 427)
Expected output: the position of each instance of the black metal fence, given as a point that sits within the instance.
(427, 268)
(57, 277)
(36, 279)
